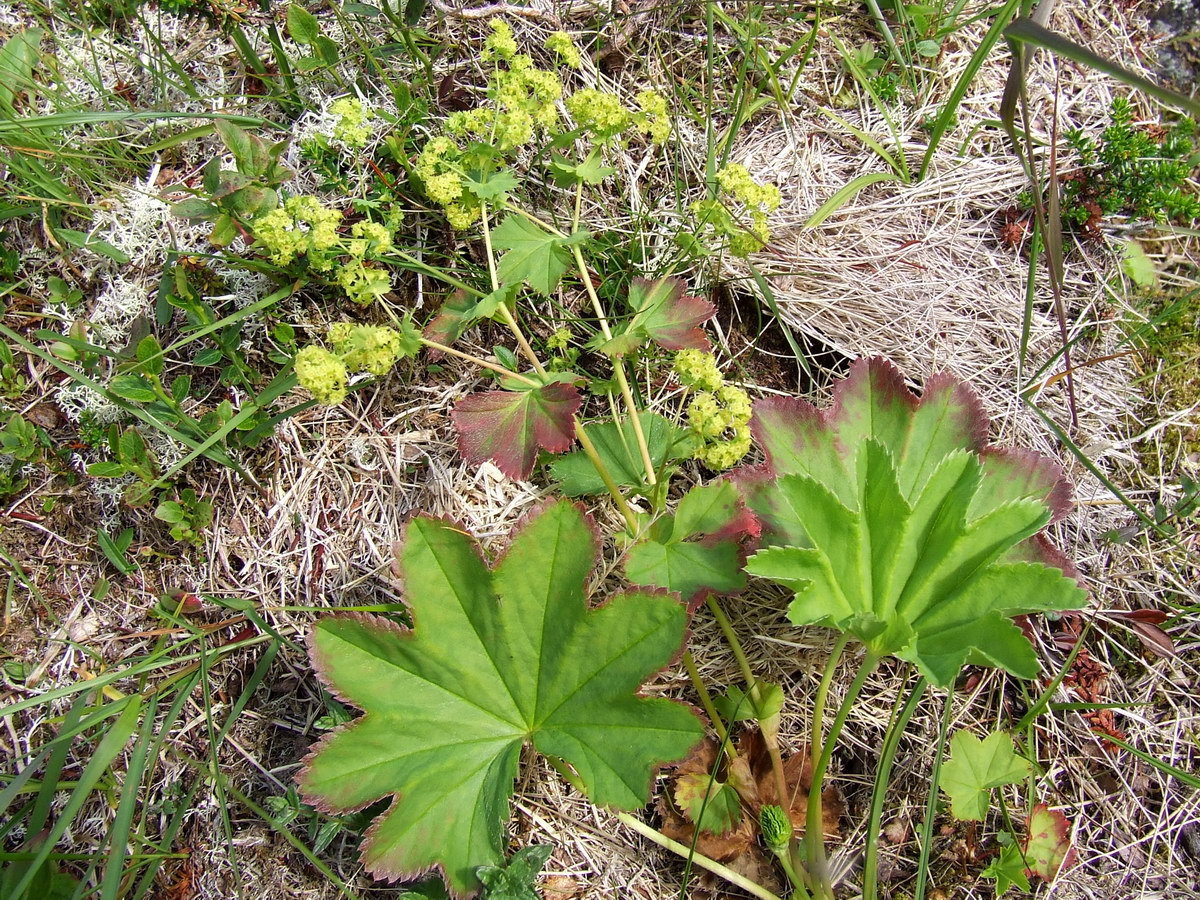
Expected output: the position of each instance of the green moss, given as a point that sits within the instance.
(1170, 362)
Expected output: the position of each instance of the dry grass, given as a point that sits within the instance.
(912, 273)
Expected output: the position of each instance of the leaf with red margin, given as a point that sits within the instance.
(452, 319)
(459, 311)
(1048, 849)
(700, 550)
(497, 658)
(872, 402)
(894, 521)
(509, 427)
(665, 316)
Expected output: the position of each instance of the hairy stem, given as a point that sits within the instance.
(932, 803)
(689, 663)
(823, 691)
(814, 831)
(750, 887)
(614, 490)
(618, 368)
(505, 312)
(442, 348)
(770, 736)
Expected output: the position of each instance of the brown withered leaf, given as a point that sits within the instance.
(797, 771)
(750, 774)
(1144, 623)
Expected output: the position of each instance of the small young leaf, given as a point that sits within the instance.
(703, 552)
(302, 25)
(535, 256)
(509, 427)
(1008, 870)
(737, 706)
(492, 185)
(150, 355)
(132, 387)
(710, 804)
(194, 208)
(668, 318)
(239, 142)
(498, 658)
(1048, 847)
(96, 245)
(618, 450)
(454, 316)
(515, 879)
(590, 171)
(975, 767)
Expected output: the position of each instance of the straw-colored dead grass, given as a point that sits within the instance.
(913, 273)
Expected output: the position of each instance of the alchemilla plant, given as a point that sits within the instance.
(889, 517)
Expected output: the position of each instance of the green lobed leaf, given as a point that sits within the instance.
(618, 450)
(699, 550)
(509, 427)
(1008, 870)
(894, 521)
(712, 805)
(974, 768)
(535, 256)
(664, 315)
(515, 879)
(496, 659)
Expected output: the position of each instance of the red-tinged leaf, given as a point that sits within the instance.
(509, 427)
(1048, 849)
(1154, 638)
(499, 658)
(664, 315)
(700, 550)
(892, 519)
(1152, 616)
(452, 319)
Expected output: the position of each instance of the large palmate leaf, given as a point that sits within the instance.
(699, 550)
(894, 521)
(497, 658)
(509, 427)
(535, 256)
(618, 450)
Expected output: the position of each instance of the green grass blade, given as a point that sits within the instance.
(118, 834)
(950, 108)
(106, 751)
(1027, 31)
(834, 203)
(866, 139)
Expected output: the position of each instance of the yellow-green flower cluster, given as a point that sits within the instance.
(599, 113)
(356, 348)
(698, 369)
(559, 340)
(301, 226)
(353, 125)
(363, 283)
(322, 374)
(561, 45)
(653, 118)
(366, 348)
(602, 115)
(500, 44)
(719, 414)
(759, 200)
(368, 237)
(523, 99)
